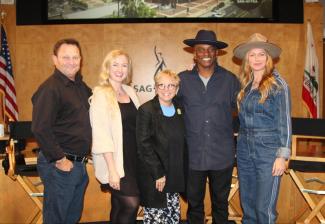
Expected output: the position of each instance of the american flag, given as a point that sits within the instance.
(7, 85)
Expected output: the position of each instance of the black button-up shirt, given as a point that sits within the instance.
(208, 118)
(60, 117)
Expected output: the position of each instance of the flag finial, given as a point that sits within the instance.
(3, 15)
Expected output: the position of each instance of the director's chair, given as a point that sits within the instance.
(308, 129)
(19, 170)
(320, 205)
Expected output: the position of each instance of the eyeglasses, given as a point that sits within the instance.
(168, 86)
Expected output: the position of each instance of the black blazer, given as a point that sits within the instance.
(152, 144)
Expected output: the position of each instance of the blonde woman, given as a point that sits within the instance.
(113, 111)
(160, 138)
(264, 138)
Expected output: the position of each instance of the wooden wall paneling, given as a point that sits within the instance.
(323, 77)
(139, 40)
(177, 59)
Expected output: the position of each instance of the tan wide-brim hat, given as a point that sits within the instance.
(257, 40)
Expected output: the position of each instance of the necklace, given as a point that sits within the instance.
(119, 92)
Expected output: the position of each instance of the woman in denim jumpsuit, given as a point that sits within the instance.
(264, 139)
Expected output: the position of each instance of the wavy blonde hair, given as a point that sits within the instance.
(246, 77)
(104, 75)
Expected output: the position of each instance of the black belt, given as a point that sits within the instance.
(75, 158)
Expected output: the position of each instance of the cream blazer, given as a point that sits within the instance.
(107, 136)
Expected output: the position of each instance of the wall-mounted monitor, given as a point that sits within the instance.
(138, 11)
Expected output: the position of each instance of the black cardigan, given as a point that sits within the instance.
(152, 143)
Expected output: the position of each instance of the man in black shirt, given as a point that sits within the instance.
(62, 129)
(208, 93)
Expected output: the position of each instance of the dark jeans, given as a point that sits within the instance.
(258, 189)
(219, 185)
(63, 191)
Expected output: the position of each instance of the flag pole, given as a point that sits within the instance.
(3, 15)
(2, 102)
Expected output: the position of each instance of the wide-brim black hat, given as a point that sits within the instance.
(206, 37)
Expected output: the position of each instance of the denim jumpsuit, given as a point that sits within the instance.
(264, 135)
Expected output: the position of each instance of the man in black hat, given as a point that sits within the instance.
(208, 93)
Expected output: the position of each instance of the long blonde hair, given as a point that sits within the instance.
(103, 79)
(246, 77)
(104, 74)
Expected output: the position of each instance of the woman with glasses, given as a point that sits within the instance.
(161, 147)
